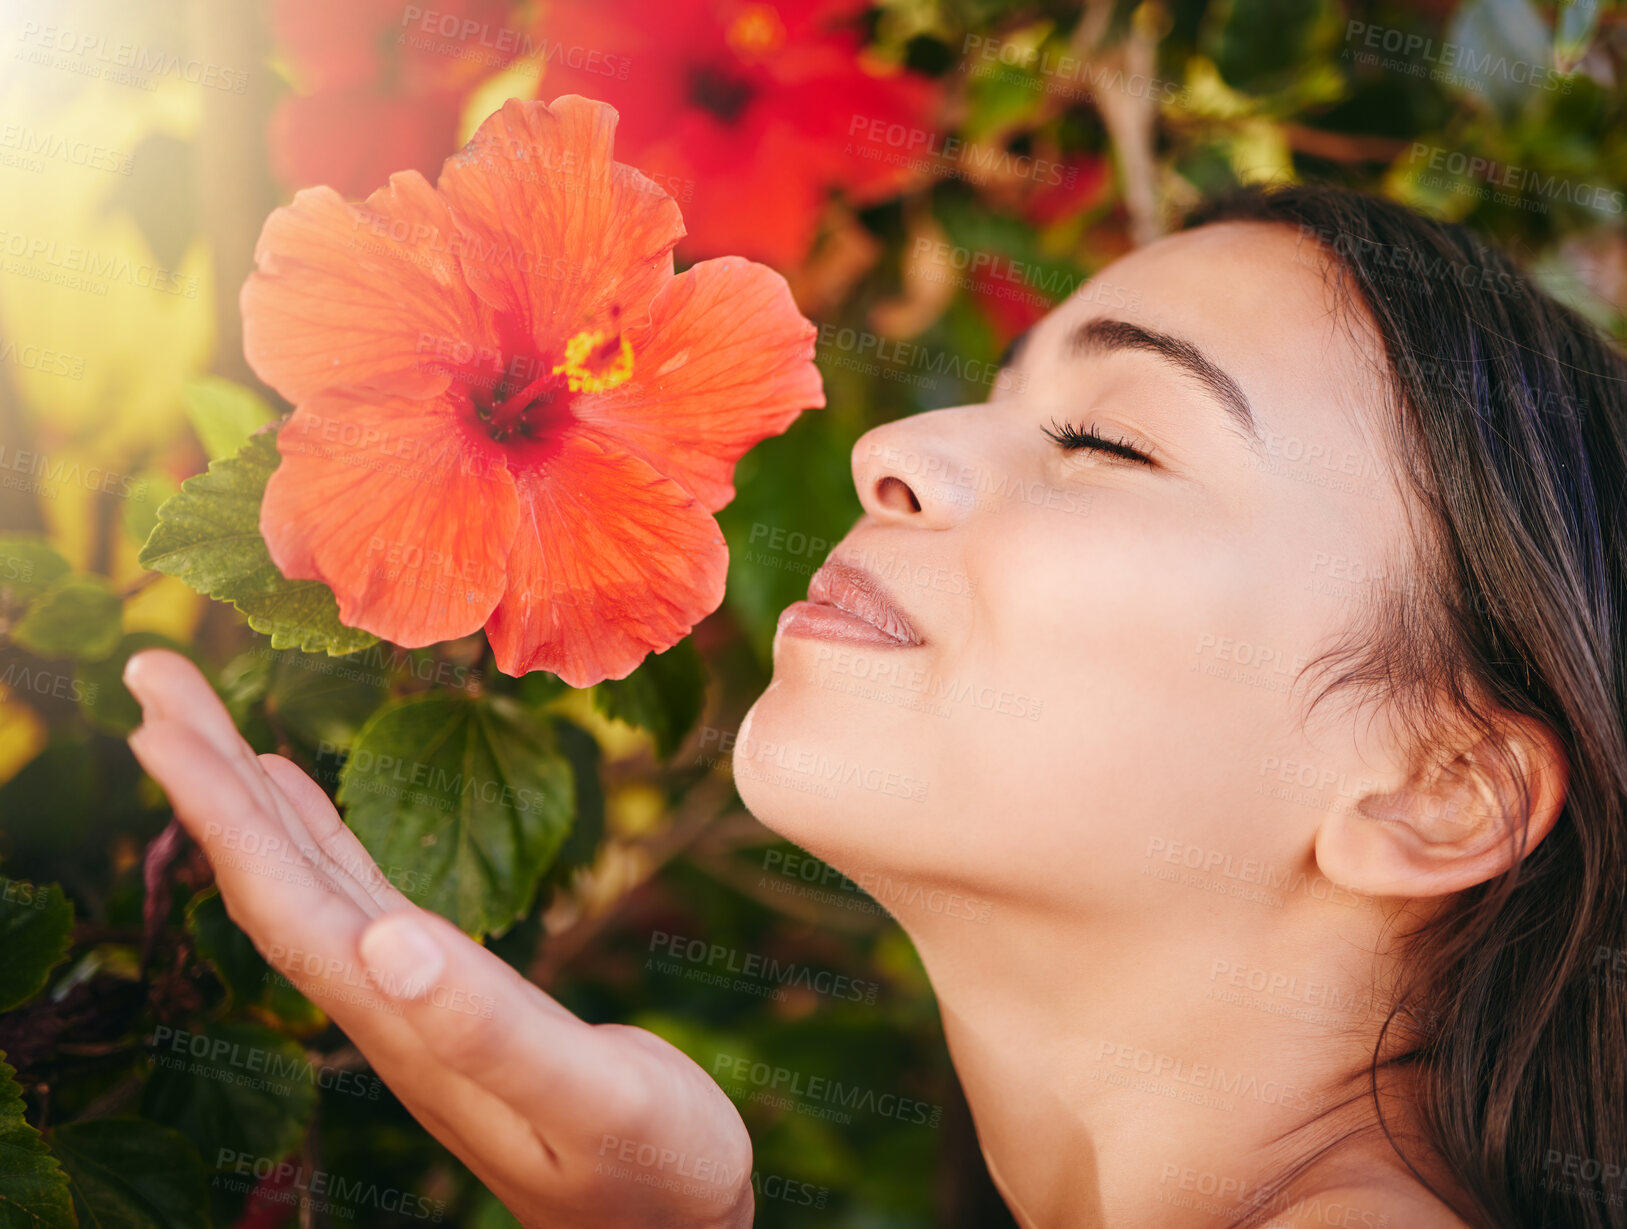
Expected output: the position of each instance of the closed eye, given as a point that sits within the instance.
(1073, 439)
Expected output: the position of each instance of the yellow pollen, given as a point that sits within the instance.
(600, 376)
(758, 32)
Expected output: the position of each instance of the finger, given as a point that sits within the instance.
(310, 932)
(341, 853)
(460, 999)
(170, 687)
(478, 1017)
(271, 888)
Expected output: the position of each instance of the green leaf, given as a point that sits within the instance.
(587, 828)
(101, 692)
(664, 696)
(243, 684)
(78, 616)
(224, 414)
(326, 700)
(487, 1212)
(463, 802)
(241, 1087)
(33, 1190)
(539, 688)
(28, 567)
(209, 536)
(242, 970)
(129, 1173)
(1265, 46)
(36, 931)
(795, 501)
(154, 489)
(240, 967)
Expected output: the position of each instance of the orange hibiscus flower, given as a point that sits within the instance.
(509, 412)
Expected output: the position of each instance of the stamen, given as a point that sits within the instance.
(585, 367)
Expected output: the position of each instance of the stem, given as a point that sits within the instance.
(700, 810)
(141, 583)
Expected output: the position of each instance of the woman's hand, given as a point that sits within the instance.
(568, 1123)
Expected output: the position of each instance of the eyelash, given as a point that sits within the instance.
(1075, 438)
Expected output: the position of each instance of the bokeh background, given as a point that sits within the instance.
(930, 175)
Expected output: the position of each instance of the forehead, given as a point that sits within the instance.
(1261, 300)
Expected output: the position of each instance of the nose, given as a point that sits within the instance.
(906, 473)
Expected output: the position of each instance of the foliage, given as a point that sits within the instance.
(132, 1008)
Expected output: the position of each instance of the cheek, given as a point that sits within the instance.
(1127, 634)
(1069, 602)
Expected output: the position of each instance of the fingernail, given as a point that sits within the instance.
(133, 671)
(402, 955)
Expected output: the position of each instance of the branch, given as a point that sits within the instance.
(700, 809)
(1131, 120)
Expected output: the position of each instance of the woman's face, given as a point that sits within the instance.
(1067, 674)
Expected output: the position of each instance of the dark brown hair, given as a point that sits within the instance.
(1510, 429)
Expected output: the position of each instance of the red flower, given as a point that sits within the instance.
(509, 412)
(381, 85)
(1011, 309)
(1083, 179)
(742, 110)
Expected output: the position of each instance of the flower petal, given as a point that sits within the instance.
(403, 508)
(725, 361)
(560, 236)
(346, 294)
(611, 561)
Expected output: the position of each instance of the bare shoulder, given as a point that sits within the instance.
(1382, 1204)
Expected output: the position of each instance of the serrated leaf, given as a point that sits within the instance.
(36, 931)
(463, 802)
(33, 1189)
(28, 567)
(664, 696)
(236, 1086)
(78, 616)
(128, 1173)
(224, 414)
(209, 537)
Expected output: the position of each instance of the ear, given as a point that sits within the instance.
(1460, 818)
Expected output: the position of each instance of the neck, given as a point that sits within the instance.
(1144, 1075)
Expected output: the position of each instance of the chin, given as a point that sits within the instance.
(839, 775)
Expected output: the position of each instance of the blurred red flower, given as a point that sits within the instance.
(509, 412)
(742, 110)
(380, 85)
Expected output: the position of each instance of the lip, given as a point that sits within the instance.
(847, 603)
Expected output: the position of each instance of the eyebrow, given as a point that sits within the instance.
(1103, 336)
